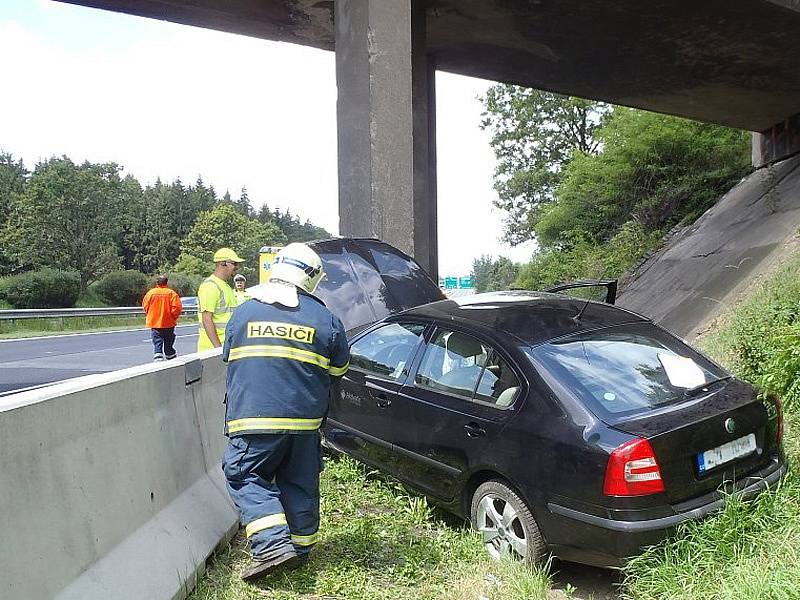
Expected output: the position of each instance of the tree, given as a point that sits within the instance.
(12, 181)
(201, 198)
(481, 272)
(171, 212)
(243, 204)
(656, 170)
(503, 274)
(13, 176)
(224, 226)
(291, 226)
(534, 136)
(66, 218)
(163, 231)
(490, 275)
(131, 237)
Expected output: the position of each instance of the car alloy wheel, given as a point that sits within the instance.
(505, 523)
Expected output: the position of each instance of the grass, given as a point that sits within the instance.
(751, 550)
(379, 542)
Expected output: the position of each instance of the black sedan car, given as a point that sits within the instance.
(555, 424)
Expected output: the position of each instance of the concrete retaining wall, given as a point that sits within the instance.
(110, 485)
(706, 266)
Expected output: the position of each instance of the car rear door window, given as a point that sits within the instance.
(386, 351)
(453, 363)
(498, 384)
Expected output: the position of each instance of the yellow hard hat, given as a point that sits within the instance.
(224, 254)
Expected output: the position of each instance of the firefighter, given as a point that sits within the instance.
(216, 300)
(284, 350)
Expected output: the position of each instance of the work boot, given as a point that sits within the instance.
(260, 567)
(158, 357)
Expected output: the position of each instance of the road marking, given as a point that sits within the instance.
(66, 335)
(25, 389)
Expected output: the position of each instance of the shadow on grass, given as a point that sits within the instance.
(583, 581)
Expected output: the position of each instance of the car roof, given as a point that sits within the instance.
(532, 317)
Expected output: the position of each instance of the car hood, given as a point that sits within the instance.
(367, 280)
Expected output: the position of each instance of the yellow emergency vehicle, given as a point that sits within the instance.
(266, 256)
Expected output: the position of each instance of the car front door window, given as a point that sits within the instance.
(386, 351)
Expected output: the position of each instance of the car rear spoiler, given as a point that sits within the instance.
(609, 284)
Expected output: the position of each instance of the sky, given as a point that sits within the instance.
(172, 101)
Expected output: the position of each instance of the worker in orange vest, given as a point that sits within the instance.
(162, 307)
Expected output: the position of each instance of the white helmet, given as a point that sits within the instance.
(298, 264)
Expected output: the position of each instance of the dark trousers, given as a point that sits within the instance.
(274, 481)
(164, 342)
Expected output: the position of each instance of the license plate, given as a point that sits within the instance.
(727, 452)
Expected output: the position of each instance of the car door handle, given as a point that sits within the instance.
(474, 430)
(382, 400)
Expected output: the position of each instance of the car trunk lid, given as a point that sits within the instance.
(713, 437)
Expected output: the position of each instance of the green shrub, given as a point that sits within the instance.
(761, 342)
(185, 284)
(191, 265)
(123, 288)
(90, 298)
(46, 288)
(583, 259)
(658, 169)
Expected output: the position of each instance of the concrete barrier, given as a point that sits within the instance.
(110, 485)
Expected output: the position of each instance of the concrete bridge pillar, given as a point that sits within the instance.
(386, 123)
(778, 142)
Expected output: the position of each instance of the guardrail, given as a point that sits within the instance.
(55, 313)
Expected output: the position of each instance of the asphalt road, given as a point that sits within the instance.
(35, 361)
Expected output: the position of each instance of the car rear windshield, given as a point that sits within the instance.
(625, 369)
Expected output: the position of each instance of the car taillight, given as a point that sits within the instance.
(778, 404)
(632, 470)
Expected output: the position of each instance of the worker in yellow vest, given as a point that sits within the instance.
(216, 300)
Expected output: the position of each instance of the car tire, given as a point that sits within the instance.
(506, 524)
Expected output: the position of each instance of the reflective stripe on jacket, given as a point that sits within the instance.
(162, 307)
(217, 297)
(280, 364)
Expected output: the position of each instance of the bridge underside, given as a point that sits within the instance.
(732, 63)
